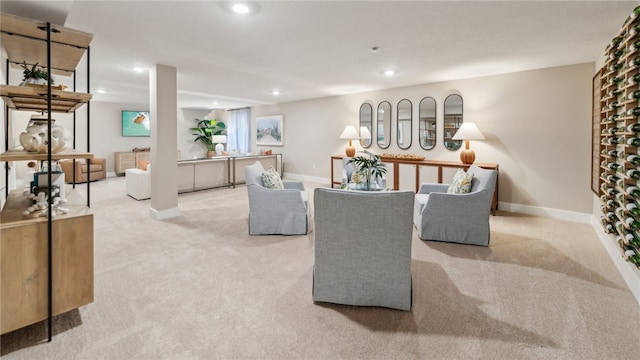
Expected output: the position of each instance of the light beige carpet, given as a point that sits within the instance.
(198, 287)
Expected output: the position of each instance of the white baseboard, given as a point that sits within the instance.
(164, 214)
(313, 179)
(629, 272)
(546, 212)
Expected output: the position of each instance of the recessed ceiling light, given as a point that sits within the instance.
(240, 8)
(275, 92)
(389, 72)
(375, 49)
(138, 69)
(101, 91)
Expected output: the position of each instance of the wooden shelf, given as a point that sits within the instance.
(24, 40)
(35, 98)
(23, 155)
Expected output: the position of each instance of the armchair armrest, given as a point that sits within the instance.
(427, 188)
(98, 161)
(442, 205)
(293, 184)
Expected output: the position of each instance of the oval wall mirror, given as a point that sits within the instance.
(427, 126)
(452, 120)
(404, 119)
(383, 131)
(366, 121)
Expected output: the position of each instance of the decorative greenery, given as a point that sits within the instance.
(34, 73)
(370, 166)
(207, 128)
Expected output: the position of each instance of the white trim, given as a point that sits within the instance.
(546, 212)
(629, 272)
(164, 214)
(313, 179)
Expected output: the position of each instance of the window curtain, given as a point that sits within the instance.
(239, 131)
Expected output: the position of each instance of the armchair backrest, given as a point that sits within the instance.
(483, 179)
(348, 167)
(253, 174)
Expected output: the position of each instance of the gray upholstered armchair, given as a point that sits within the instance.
(363, 247)
(459, 218)
(275, 211)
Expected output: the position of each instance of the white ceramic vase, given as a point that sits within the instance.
(35, 136)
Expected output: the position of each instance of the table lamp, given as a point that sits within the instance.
(365, 134)
(219, 140)
(468, 131)
(349, 133)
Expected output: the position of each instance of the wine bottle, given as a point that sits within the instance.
(611, 203)
(634, 141)
(612, 153)
(612, 140)
(610, 215)
(634, 112)
(633, 127)
(620, 183)
(633, 209)
(634, 159)
(616, 67)
(633, 80)
(615, 92)
(616, 79)
(632, 239)
(616, 40)
(612, 178)
(632, 223)
(634, 174)
(613, 117)
(635, 94)
(633, 192)
(634, 62)
(614, 105)
(614, 166)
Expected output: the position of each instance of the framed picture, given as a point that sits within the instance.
(135, 123)
(269, 130)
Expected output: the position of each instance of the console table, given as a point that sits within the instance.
(416, 165)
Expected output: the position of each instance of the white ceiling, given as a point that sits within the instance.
(311, 49)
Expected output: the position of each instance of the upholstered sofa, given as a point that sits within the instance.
(97, 170)
(458, 218)
(363, 247)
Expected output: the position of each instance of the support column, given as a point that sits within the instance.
(164, 144)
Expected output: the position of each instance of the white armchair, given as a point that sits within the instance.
(458, 218)
(276, 211)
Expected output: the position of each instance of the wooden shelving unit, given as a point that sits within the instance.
(46, 264)
(619, 143)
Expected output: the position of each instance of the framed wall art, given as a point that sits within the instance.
(270, 130)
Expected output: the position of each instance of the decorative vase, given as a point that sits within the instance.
(219, 149)
(211, 153)
(33, 81)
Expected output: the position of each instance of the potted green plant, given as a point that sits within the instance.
(34, 75)
(371, 167)
(204, 130)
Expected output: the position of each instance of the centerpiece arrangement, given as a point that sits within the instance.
(368, 168)
(204, 132)
(34, 75)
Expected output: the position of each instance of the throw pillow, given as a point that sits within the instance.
(461, 183)
(143, 164)
(271, 179)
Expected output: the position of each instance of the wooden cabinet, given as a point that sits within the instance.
(29, 282)
(23, 262)
(129, 160)
(619, 140)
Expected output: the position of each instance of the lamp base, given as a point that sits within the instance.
(219, 149)
(467, 156)
(350, 151)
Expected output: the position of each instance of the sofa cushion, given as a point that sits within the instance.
(461, 183)
(142, 164)
(271, 179)
(420, 202)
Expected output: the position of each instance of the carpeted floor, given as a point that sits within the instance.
(199, 287)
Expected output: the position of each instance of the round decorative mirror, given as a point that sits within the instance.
(383, 132)
(404, 119)
(427, 126)
(452, 121)
(366, 121)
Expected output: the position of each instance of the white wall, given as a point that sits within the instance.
(536, 123)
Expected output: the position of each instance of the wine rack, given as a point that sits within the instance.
(619, 181)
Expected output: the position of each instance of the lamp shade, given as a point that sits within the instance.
(219, 139)
(468, 131)
(365, 133)
(349, 132)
